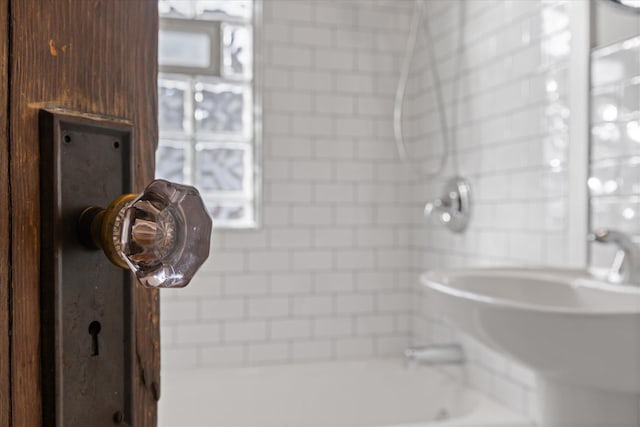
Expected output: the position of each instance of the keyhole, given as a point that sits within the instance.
(94, 330)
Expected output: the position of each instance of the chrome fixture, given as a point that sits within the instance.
(453, 208)
(435, 354)
(626, 264)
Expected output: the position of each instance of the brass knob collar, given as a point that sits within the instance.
(100, 228)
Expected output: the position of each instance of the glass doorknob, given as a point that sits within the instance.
(162, 235)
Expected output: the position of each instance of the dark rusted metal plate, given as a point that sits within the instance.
(87, 320)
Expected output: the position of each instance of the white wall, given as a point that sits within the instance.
(328, 275)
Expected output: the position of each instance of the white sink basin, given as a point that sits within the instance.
(579, 334)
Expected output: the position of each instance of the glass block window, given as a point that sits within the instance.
(207, 100)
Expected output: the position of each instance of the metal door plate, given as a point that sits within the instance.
(87, 303)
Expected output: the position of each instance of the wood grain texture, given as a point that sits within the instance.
(91, 56)
(5, 254)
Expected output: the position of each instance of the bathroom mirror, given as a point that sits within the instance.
(614, 124)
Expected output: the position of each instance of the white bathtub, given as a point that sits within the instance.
(338, 394)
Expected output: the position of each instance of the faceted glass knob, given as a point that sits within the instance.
(162, 235)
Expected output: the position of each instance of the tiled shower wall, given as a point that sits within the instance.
(510, 142)
(328, 274)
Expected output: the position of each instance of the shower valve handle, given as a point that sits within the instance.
(162, 235)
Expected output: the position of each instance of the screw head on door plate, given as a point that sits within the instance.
(162, 235)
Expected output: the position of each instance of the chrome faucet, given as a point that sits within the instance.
(626, 264)
(435, 354)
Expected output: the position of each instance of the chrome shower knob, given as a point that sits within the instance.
(453, 208)
(162, 235)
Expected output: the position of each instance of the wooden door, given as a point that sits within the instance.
(89, 56)
(5, 254)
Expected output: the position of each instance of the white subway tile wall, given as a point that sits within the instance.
(510, 140)
(334, 271)
(327, 275)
